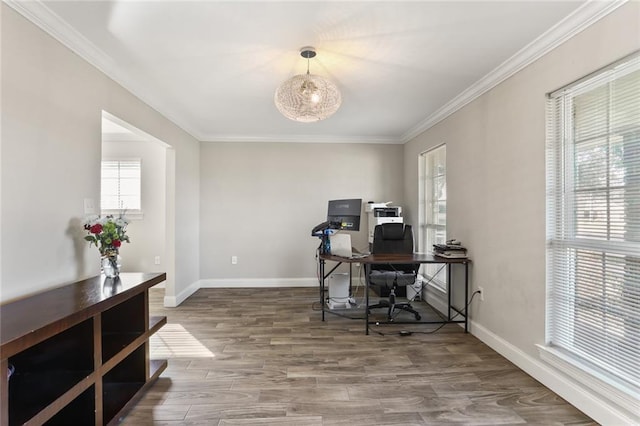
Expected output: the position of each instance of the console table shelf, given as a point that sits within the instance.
(80, 351)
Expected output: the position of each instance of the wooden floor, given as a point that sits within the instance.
(264, 357)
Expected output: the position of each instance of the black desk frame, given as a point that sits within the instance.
(395, 259)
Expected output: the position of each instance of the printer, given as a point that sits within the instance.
(379, 213)
(388, 211)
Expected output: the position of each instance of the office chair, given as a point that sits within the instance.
(393, 238)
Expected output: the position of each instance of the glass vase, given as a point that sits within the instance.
(111, 286)
(111, 265)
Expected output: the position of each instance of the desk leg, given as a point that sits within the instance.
(367, 268)
(322, 287)
(350, 280)
(466, 296)
(449, 287)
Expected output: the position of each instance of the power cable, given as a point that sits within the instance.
(409, 333)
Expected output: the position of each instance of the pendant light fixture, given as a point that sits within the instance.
(307, 97)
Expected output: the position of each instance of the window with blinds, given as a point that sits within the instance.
(121, 185)
(593, 222)
(433, 210)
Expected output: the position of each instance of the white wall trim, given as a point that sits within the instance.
(628, 399)
(597, 407)
(301, 138)
(258, 282)
(37, 12)
(576, 22)
(174, 301)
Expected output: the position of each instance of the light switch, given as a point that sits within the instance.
(89, 206)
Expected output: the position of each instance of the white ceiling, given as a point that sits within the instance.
(213, 66)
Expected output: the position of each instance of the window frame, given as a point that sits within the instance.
(571, 246)
(435, 275)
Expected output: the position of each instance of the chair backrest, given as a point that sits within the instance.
(393, 238)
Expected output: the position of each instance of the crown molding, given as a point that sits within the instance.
(574, 23)
(302, 139)
(37, 12)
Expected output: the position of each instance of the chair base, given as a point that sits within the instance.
(392, 307)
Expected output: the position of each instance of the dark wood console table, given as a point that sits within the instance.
(80, 352)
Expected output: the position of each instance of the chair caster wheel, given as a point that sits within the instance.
(418, 317)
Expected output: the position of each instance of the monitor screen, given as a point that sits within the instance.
(346, 213)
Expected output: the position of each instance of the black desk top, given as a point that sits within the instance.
(395, 258)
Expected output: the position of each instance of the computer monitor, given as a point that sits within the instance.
(346, 213)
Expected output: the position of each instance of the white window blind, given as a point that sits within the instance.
(120, 188)
(433, 209)
(593, 222)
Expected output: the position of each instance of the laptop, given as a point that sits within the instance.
(341, 246)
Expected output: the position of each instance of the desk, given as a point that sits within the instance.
(400, 258)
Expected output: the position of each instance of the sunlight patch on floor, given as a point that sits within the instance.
(174, 341)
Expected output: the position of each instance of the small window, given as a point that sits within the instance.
(121, 186)
(433, 210)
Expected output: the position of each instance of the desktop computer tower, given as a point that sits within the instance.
(339, 291)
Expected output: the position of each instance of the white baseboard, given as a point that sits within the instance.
(258, 282)
(596, 407)
(173, 301)
(624, 395)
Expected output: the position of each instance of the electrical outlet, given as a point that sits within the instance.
(156, 260)
(481, 290)
(234, 260)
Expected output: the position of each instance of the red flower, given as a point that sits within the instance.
(96, 229)
(116, 243)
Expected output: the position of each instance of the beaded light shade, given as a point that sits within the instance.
(307, 97)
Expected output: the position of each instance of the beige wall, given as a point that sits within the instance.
(52, 104)
(259, 201)
(496, 183)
